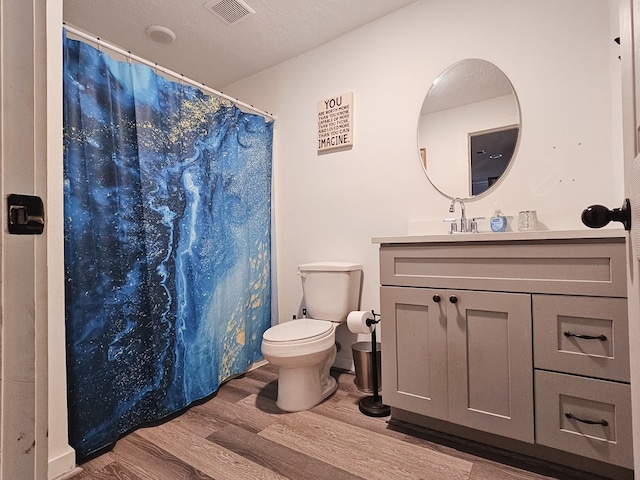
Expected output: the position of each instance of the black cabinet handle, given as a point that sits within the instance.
(571, 416)
(602, 338)
(453, 299)
(436, 298)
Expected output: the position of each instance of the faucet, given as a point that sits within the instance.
(463, 216)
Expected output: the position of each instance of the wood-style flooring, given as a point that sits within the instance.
(241, 434)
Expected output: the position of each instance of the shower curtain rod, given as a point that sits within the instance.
(166, 71)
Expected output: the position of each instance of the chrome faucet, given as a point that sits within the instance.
(463, 216)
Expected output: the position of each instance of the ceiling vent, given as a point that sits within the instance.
(231, 11)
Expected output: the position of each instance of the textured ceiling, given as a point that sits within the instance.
(212, 52)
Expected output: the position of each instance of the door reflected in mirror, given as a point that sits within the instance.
(490, 154)
(468, 129)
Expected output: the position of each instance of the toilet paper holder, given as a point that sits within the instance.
(372, 322)
(372, 405)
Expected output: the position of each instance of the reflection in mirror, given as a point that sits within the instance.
(468, 128)
(490, 153)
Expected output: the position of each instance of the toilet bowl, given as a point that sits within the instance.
(304, 351)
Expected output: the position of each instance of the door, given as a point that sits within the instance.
(490, 362)
(630, 56)
(23, 280)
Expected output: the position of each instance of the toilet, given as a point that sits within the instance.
(304, 349)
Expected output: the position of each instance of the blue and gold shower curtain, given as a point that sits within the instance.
(167, 244)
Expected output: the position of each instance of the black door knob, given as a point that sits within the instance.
(597, 216)
(436, 298)
(453, 299)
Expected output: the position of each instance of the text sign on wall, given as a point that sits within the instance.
(335, 122)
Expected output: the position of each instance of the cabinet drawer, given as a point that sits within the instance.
(560, 322)
(586, 267)
(563, 399)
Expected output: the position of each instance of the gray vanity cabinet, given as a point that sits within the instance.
(525, 339)
(460, 356)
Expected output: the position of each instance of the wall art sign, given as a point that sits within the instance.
(335, 122)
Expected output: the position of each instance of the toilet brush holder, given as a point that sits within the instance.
(372, 405)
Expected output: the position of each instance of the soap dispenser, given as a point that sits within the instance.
(498, 221)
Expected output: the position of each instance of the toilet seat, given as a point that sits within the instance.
(297, 338)
(303, 330)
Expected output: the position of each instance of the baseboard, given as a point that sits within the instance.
(340, 363)
(257, 364)
(343, 363)
(63, 466)
(66, 476)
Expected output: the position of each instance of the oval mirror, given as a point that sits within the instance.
(468, 128)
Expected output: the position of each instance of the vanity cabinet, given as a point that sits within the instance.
(524, 339)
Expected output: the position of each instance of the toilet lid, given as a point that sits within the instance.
(301, 329)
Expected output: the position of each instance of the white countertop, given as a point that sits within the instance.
(505, 236)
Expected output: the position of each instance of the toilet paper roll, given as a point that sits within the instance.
(357, 321)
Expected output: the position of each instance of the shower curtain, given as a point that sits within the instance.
(167, 244)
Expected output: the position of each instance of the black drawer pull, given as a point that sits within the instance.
(436, 298)
(602, 338)
(571, 416)
(453, 299)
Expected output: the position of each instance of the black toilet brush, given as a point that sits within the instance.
(372, 405)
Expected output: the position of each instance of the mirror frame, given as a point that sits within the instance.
(421, 151)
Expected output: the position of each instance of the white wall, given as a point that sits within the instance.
(558, 54)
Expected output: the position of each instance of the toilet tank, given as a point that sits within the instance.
(331, 289)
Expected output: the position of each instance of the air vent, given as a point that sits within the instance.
(231, 11)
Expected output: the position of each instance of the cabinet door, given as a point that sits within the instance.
(414, 350)
(490, 362)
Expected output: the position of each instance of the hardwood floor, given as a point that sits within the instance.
(241, 434)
